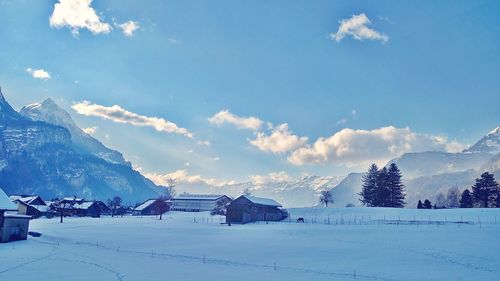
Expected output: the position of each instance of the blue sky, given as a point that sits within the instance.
(403, 76)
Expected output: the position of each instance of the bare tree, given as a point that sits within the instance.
(453, 198)
(171, 184)
(60, 207)
(247, 192)
(114, 204)
(326, 197)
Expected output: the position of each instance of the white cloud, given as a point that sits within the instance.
(274, 177)
(118, 114)
(182, 176)
(90, 130)
(76, 15)
(128, 28)
(357, 27)
(358, 147)
(204, 143)
(38, 73)
(173, 41)
(279, 141)
(224, 116)
(216, 158)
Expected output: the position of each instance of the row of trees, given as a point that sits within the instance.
(383, 187)
(485, 194)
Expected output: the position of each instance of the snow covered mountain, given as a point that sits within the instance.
(300, 192)
(40, 158)
(487, 144)
(427, 174)
(48, 111)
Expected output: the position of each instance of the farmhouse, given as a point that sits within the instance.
(245, 209)
(12, 226)
(151, 207)
(196, 202)
(33, 206)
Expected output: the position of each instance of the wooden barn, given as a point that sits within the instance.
(245, 209)
(12, 225)
(151, 207)
(33, 205)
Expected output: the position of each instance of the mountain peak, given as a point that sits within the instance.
(495, 131)
(487, 144)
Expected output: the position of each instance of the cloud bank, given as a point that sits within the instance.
(118, 114)
(354, 147)
(279, 141)
(182, 176)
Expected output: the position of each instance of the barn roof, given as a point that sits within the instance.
(83, 205)
(262, 201)
(5, 203)
(199, 197)
(145, 205)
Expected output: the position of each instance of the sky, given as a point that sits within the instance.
(236, 90)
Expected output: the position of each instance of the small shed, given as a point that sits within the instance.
(151, 207)
(12, 226)
(245, 209)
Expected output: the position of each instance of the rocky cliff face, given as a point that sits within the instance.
(48, 111)
(40, 158)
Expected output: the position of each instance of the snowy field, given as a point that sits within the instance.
(334, 244)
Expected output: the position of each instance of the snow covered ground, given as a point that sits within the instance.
(334, 244)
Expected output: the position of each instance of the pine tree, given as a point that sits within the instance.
(453, 198)
(395, 187)
(420, 205)
(427, 204)
(382, 190)
(466, 200)
(485, 190)
(367, 194)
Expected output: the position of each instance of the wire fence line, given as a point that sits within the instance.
(203, 259)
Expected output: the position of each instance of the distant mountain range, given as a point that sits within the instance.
(43, 152)
(427, 174)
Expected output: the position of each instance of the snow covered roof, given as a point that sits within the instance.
(72, 199)
(145, 205)
(5, 203)
(199, 197)
(26, 199)
(83, 205)
(262, 201)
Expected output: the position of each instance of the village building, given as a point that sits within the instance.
(196, 202)
(245, 209)
(92, 209)
(33, 205)
(151, 207)
(12, 226)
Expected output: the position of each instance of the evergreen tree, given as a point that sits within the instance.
(395, 187)
(497, 202)
(466, 200)
(382, 190)
(485, 190)
(367, 194)
(420, 205)
(427, 204)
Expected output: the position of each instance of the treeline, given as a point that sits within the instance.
(383, 187)
(485, 193)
